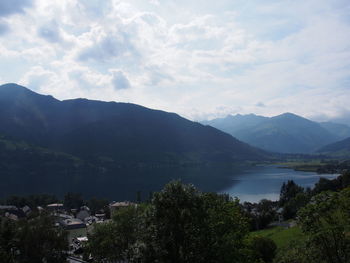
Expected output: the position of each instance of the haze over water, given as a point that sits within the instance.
(264, 182)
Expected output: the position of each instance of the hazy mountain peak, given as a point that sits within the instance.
(244, 115)
(13, 90)
(13, 87)
(287, 132)
(289, 115)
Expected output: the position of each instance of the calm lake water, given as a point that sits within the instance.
(255, 183)
(248, 183)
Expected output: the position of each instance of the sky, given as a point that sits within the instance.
(201, 59)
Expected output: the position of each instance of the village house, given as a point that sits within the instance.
(11, 212)
(83, 213)
(55, 207)
(75, 228)
(114, 206)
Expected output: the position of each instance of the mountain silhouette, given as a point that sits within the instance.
(285, 133)
(120, 132)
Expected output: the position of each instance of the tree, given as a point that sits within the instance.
(39, 241)
(260, 214)
(180, 224)
(73, 201)
(225, 228)
(288, 191)
(97, 205)
(185, 225)
(344, 180)
(326, 223)
(173, 225)
(265, 213)
(325, 184)
(263, 248)
(114, 241)
(7, 240)
(339, 183)
(289, 200)
(291, 208)
(298, 252)
(32, 241)
(103, 243)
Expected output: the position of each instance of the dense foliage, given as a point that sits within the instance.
(32, 241)
(325, 223)
(260, 214)
(264, 249)
(180, 224)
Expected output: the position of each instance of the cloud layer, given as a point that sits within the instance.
(14, 6)
(199, 59)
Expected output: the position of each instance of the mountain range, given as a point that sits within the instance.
(120, 132)
(48, 145)
(285, 133)
(111, 150)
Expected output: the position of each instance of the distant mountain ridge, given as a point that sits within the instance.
(285, 133)
(121, 132)
(340, 148)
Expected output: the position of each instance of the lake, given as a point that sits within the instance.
(254, 183)
(249, 183)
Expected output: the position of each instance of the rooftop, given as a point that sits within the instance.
(72, 223)
(55, 205)
(121, 204)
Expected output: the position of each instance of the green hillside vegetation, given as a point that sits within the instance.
(32, 169)
(12, 145)
(283, 237)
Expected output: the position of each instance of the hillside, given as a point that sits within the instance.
(237, 124)
(26, 169)
(285, 133)
(122, 132)
(342, 131)
(340, 148)
(105, 149)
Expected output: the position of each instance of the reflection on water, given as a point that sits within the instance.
(249, 183)
(256, 183)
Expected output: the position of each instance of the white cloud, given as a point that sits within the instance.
(14, 6)
(119, 80)
(4, 28)
(154, 2)
(214, 58)
(50, 32)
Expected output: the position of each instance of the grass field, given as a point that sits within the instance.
(281, 236)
